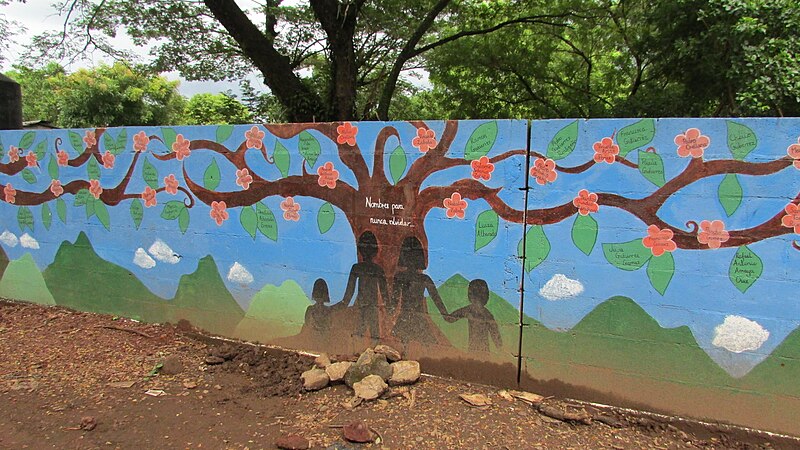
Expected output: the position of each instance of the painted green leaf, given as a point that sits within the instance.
(150, 174)
(183, 220)
(90, 201)
(109, 143)
(224, 132)
(170, 136)
(52, 168)
(211, 176)
(636, 135)
(25, 218)
(325, 217)
(61, 210)
(82, 197)
(741, 140)
(309, 148)
(122, 142)
(172, 209)
(730, 193)
(652, 167)
(41, 150)
(584, 233)
(481, 141)
(47, 216)
(398, 161)
(282, 159)
(267, 224)
(93, 169)
(249, 220)
(660, 270)
(746, 268)
(631, 255)
(77, 141)
(137, 212)
(2, 150)
(27, 140)
(537, 247)
(28, 176)
(563, 143)
(486, 227)
(101, 212)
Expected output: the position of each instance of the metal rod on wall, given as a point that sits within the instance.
(526, 189)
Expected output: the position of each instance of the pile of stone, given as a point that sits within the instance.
(370, 376)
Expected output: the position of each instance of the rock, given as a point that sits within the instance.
(88, 423)
(189, 384)
(224, 351)
(172, 365)
(357, 431)
(214, 360)
(476, 400)
(314, 379)
(322, 361)
(370, 388)
(292, 442)
(390, 353)
(404, 372)
(337, 370)
(369, 363)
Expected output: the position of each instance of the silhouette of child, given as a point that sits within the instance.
(371, 281)
(480, 320)
(317, 318)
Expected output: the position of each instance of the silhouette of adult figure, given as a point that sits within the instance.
(408, 294)
(480, 320)
(371, 281)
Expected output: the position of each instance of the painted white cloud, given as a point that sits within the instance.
(162, 252)
(143, 260)
(9, 238)
(238, 274)
(560, 287)
(27, 241)
(738, 334)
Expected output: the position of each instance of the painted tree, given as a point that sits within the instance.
(393, 181)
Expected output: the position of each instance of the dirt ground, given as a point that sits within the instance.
(78, 380)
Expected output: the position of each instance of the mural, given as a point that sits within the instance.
(615, 260)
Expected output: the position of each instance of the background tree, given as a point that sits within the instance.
(208, 109)
(40, 91)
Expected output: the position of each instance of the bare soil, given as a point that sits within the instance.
(79, 380)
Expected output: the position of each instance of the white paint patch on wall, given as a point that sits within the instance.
(162, 252)
(239, 274)
(9, 239)
(560, 287)
(27, 241)
(738, 334)
(143, 260)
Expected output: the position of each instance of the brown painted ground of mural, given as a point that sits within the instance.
(57, 364)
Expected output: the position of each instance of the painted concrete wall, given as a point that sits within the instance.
(659, 255)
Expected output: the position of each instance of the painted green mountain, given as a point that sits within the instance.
(203, 299)
(275, 311)
(780, 371)
(23, 281)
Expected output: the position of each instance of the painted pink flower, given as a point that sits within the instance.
(659, 241)
(108, 160)
(792, 217)
(605, 151)
(31, 159)
(13, 154)
(712, 233)
(219, 212)
(62, 158)
(425, 140)
(171, 184)
(346, 134)
(794, 152)
(90, 139)
(140, 141)
(243, 178)
(691, 143)
(291, 210)
(586, 202)
(94, 188)
(544, 170)
(181, 147)
(254, 138)
(149, 197)
(56, 188)
(327, 175)
(482, 169)
(455, 206)
(10, 193)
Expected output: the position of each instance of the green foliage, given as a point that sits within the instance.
(209, 109)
